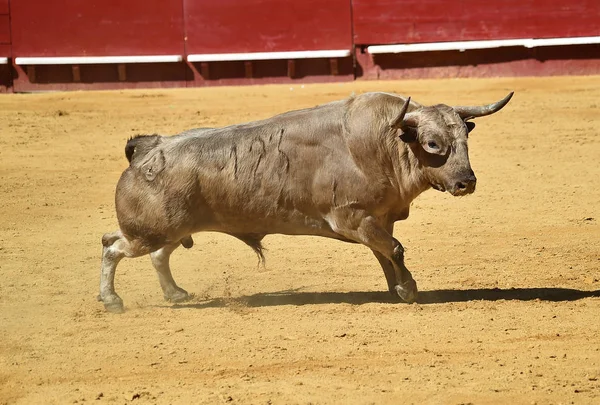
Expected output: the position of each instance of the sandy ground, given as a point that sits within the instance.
(510, 276)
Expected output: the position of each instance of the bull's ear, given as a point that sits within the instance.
(470, 126)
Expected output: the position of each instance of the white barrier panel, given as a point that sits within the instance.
(228, 57)
(488, 44)
(87, 60)
(563, 41)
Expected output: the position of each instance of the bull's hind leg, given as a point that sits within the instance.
(160, 261)
(114, 248)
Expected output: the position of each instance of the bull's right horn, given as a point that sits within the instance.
(479, 111)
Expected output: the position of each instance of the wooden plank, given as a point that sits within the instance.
(237, 26)
(31, 74)
(333, 67)
(96, 28)
(291, 68)
(205, 70)
(416, 21)
(248, 69)
(122, 71)
(76, 73)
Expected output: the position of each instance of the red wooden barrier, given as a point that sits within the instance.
(4, 29)
(421, 21)
(96, 28)
(77, 28)
(234, 26)
(5, 68)
(412, 21)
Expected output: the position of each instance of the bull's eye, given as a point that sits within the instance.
(432, 145)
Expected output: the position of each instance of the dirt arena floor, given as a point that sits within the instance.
(510, 276)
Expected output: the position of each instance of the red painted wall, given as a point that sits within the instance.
(231, 26)
(5, 70)
(413, 21)
(4, 29)
(96, 27)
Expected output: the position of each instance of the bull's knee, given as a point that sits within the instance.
(406, 287)
(399, 253)
(111, 254)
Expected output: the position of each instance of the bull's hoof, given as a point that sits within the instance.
(407, 291)
(113, 304)
(179, 295)
(114, 308)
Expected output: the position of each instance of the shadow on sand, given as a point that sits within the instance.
(366, 297)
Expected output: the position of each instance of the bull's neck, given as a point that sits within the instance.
(409, 179)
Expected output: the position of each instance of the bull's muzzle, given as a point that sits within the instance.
(464, 186)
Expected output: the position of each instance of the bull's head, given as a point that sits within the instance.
(437, 136)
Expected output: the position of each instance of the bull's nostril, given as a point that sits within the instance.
(460, 185)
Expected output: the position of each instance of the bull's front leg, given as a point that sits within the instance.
(389, 252)
(399, 280)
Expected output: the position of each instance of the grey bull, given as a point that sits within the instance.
(346, 170)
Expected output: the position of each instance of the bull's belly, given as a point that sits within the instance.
(266, 227)
(286, 223)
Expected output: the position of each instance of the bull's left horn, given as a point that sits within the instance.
(480, 111)
(397, 122)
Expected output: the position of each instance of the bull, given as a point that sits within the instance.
(346, 170)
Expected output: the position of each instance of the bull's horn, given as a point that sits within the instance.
(405, 120)
(466, 112)
(398, 121)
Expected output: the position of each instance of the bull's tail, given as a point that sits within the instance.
(255, 242)
(139, 145)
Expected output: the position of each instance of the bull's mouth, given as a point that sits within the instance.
(462, 190)
(459, 192)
